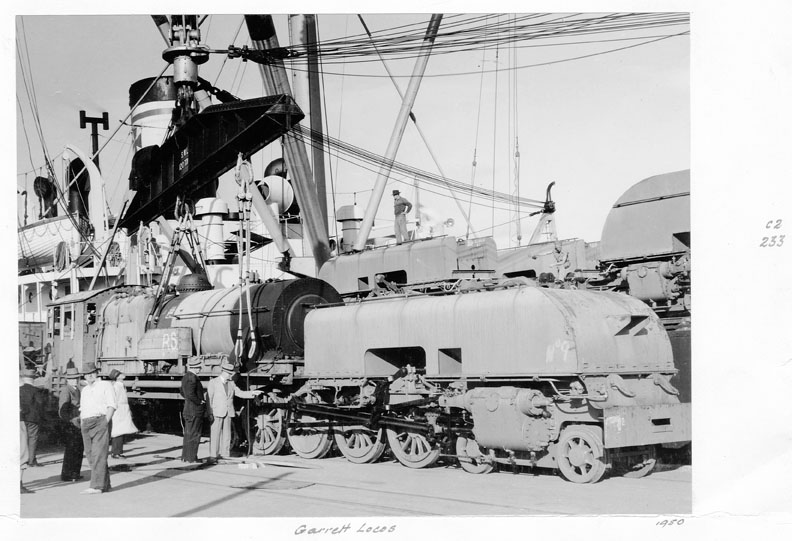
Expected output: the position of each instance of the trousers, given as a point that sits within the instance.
(117, 445)
(33, 434)
(193, 424)
(72, 453)
(96, 440)
(400, 228)
(24, 453)
(220, 437)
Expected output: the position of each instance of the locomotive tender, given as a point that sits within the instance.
(493, 372)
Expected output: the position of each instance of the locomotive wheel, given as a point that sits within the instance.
(359, 444)
(471, 456)
(270, 430)
(412, 449)
(580, 454)
(307, 441)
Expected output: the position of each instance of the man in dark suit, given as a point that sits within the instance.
(69, 411)
(32, 401)
(193, 410)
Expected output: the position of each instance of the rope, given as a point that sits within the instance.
(475, 144)
(495, 133)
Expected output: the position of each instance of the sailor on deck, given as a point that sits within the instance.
(400, 209)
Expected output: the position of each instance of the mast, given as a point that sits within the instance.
(398, 130)
(307, 93)
(263, 36)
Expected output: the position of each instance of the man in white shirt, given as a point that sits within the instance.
(97, 404)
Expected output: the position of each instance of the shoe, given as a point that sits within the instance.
(91, 491)
(71, 479)
(24, 490)
(115, 456)
(34, 465)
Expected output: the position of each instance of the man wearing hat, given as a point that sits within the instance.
(400, 209)
(69, 411)
(32, 401)
(97, 404)
(221, 391)
(193, 410)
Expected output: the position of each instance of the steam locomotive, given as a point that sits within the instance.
(490, 372)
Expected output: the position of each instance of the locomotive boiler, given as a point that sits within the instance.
(261, 321)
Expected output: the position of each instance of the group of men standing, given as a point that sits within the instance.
(216, 405)
(87, 413)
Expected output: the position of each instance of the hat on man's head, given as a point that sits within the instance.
(114, 374)
(194, 362)
(27, 373)
(228, 367)
(396, 192)
(72, 373)
(89, 368)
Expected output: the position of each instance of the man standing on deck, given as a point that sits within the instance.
(193, 410)
(400, 209)
(97, 404)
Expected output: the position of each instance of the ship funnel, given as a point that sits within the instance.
(151, 118)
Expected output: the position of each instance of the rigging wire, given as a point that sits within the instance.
(27, 141)
(475, 144)
(515, 133)
(489, 35)
(371, 162)
(225, 59)
(495, 132)
(525, 66)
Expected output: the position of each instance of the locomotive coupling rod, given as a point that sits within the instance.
(404, 423)
(358, 418)
(331, 413)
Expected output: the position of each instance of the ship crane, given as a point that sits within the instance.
(185, 53)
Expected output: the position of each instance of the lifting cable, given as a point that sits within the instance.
(244, 244)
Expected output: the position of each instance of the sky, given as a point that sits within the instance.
(594, 126)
